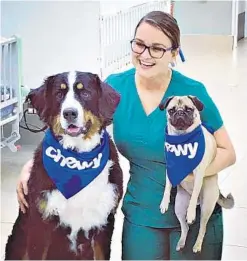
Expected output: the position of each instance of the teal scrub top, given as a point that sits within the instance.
(140, 139)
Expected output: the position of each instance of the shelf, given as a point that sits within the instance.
(9, 119)
(8, 102)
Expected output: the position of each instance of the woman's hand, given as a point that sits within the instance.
(22, 188)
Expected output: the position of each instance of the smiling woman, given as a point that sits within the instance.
(154, 47)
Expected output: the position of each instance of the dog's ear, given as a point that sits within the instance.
(37, 98)
(164, 104)
(108, 102)
(199, 105)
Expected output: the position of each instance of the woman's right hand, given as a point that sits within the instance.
(22, 188)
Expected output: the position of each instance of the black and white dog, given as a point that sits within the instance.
(76, 181)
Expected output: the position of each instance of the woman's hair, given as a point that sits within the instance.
(164, 22)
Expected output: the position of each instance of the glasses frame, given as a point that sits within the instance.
(148, 47)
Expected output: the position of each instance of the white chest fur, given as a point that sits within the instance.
(89, 208)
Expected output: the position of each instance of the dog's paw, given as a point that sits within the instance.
(197, 247)
(164, 204)
(180, 244)
(191, 215)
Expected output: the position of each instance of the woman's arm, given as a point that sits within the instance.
(225, 155)
(22, 188)
(211, 117)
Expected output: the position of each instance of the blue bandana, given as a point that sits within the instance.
(183, 154)
(72, 171)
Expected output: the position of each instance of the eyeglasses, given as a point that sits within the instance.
(154, 51)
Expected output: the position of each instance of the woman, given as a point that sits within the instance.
(139, 133)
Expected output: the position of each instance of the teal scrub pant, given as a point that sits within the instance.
(148, 243)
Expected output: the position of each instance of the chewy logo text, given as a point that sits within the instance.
(71, 162)
(188, 149)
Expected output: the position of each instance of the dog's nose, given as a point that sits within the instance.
(70, 114)
(180, 113)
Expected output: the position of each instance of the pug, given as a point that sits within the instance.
(190, 148)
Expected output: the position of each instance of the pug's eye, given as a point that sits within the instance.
(172, 110)
(188, 109)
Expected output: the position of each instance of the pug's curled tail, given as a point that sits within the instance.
(226, 202)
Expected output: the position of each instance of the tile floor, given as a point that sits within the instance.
(225, 75)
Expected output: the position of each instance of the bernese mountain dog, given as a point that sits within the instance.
(76, 181)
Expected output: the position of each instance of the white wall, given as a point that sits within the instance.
(108, 7)
(204, 17)
(241, 6)
(246, 18)
(55, 36)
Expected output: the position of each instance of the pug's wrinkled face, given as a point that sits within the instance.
(182, 111)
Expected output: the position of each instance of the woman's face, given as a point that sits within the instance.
(146, 65)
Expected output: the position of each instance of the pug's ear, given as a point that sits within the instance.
(108, 102)
(199, 105)
(164, 104)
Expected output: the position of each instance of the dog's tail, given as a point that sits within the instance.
(226, 202)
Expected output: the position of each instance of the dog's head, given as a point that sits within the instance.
(182, 111)
(75, 104)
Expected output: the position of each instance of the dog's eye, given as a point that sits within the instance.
(86, 95)
(59, 95)
(188, 109)
(172, 110)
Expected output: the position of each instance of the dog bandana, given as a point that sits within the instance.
(183, 154)
(72, 171)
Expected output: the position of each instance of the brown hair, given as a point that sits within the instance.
(164, 22)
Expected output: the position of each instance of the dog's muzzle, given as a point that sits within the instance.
(71, 117)
(181, 120)
(70, 114)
